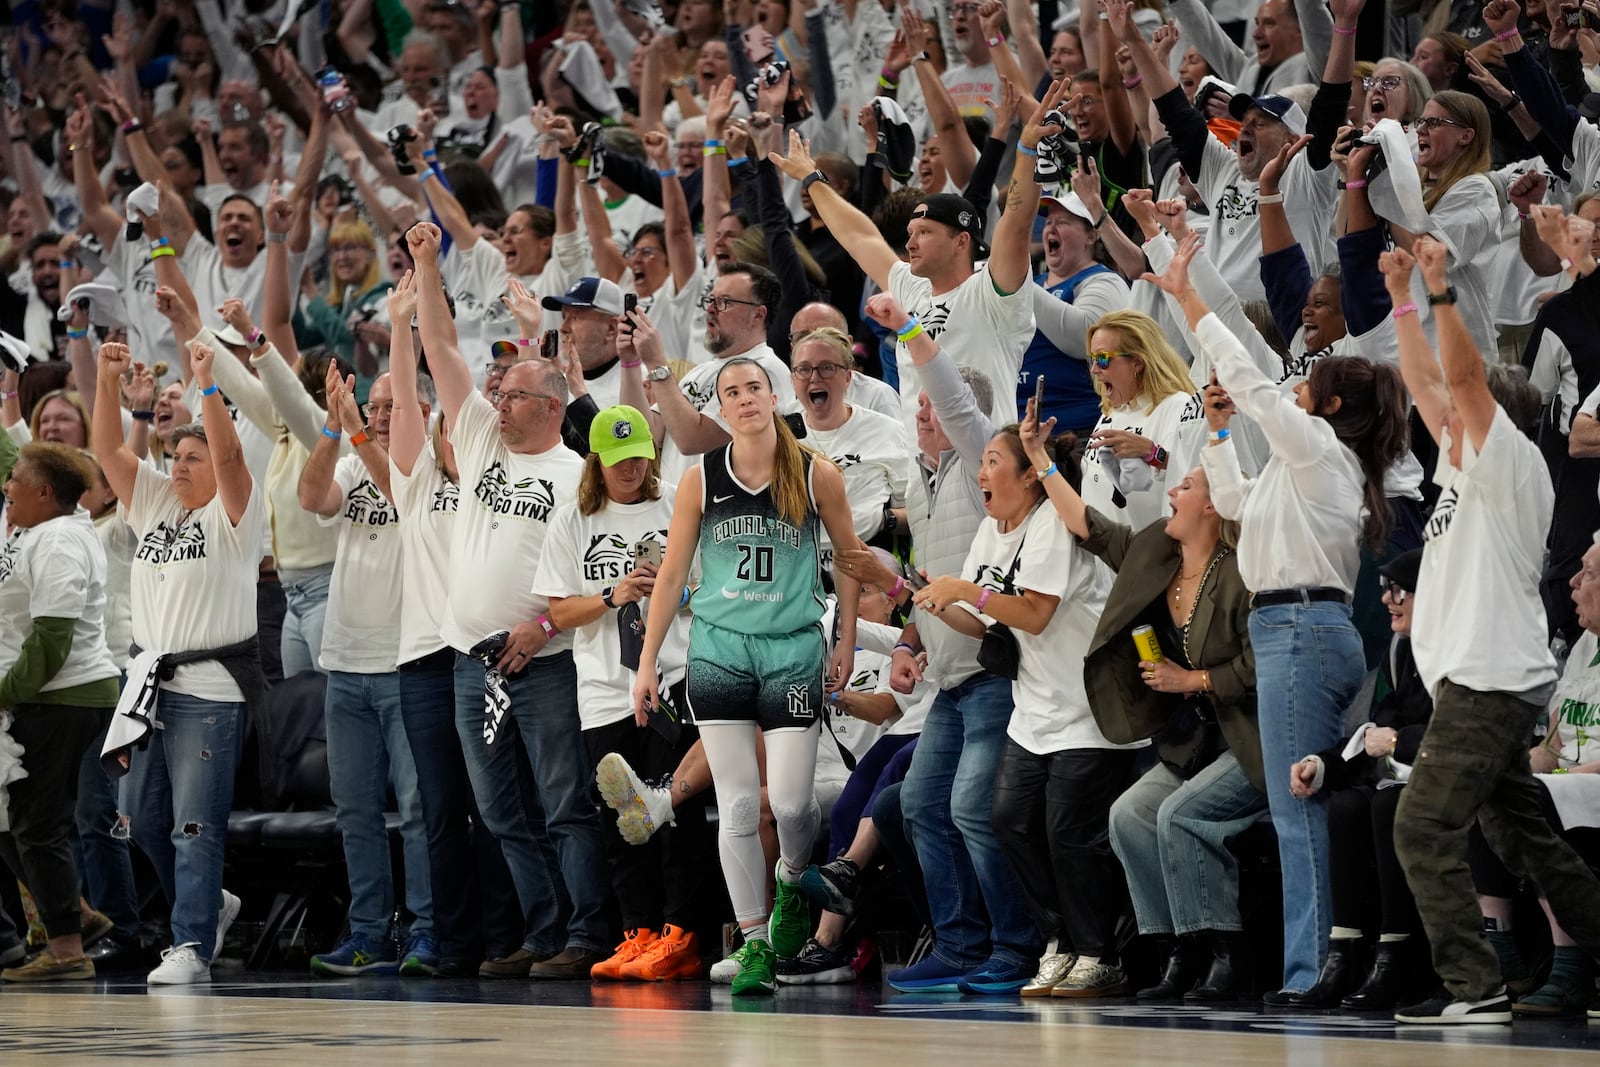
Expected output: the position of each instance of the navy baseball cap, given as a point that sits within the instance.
(1281, 108)
(597, 293)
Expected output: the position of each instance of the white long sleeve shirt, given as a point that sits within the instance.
(1300, 521)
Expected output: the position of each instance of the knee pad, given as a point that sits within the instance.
(742, 815)
(807, 814)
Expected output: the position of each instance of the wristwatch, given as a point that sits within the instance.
(606, 594)
(811, 179)
(659, 374)
(1446, 297)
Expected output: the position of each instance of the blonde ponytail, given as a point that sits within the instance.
(790, 493)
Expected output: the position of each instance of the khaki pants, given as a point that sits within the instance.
(1473, 765)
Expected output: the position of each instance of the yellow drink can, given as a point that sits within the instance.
(1144, 639)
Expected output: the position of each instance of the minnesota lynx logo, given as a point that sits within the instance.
(1443, 513)
(1235, 204)
(172, 543)
(699, 394)
(446, 498)
(366, 506)
(993, 578)
(8, 558)
(530, 498)
(608, 556)
(846, 461)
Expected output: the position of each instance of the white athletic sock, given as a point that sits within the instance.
(1344, 933)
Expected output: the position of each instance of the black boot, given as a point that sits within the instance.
(1184, 964)
(1388, 979)
(1341, 974)
(1222, 982)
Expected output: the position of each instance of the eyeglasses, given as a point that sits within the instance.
(825, 371)
(515, 396)
(1103, 359)
(1397, 593)
(964, 9)
(373, 410)
(502, 350)
(1433, 122)
(643, 252)
(1387, 82)
(720, 304)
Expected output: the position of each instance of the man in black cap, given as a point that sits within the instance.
(982, 315)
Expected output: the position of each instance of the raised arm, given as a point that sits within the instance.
(408, 429)
(1419, 365)
(105, 429)
(1068, 504)
(1200, 28)
(318, 493)
(99, 217)
(955, 146)
(681, 252)
(854, 231)
(1119, 112)
(1459, 357)
(451, 376)
(227, 456)
(1008, 257)
(991, 17)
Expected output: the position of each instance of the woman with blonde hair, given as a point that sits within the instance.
(1145, 395)
(355, 271)
(754, 509)
(60, 417)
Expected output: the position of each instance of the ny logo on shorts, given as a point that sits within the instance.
(800, 701)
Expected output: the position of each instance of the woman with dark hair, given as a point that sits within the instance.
(756, 652)
(194, 612)
(598, 569)
(1058, 774)
(1302, 523)
(59, 686)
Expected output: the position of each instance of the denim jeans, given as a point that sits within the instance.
(1172, 838)
(103, 857)
(176, 797)
(475, 910)
(544, 705)
(1309, 668)
(368, 751)
(976, 902)
(302, 623)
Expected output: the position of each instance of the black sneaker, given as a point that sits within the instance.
(832, 887)
(816, 964)
(1445, 1010)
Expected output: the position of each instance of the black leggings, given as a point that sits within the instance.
(1051, 815)
(1361, 849)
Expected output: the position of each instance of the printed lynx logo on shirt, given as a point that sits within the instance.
(8, 558)
(169, 543)
(846, 461)
(992, 578)
(699, 395)
(611, 555)
(530, 498)
(446, 498)
(1443, 513)
(1235, 204)
(1301, 367)
(366, 506)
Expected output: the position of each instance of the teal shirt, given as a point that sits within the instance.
(759, 573)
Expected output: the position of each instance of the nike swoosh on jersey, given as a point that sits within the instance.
(722, 499)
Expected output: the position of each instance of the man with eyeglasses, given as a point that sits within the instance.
(974, 80)
(515, 669)
(683, 417)
(368, 750)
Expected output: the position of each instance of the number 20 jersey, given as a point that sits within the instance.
(759, 573)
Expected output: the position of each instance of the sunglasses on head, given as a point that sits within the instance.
(1103, 359)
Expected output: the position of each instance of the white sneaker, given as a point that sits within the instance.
(228, 912)
(1053, 968)
(181, 966)
(641, 809)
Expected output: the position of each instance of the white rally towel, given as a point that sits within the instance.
(1396, 193)
(135, 716)
(1358, 745)
(11, 769)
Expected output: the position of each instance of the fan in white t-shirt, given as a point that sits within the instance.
(872, 451)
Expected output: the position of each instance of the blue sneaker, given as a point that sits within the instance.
(929, 975)
(420, 957)
(357, 955)
(997, 977)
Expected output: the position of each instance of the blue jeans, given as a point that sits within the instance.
(1172, 838)
(302, 623)
(176, 797)
(544, 706)
(103, 856)
(975, 900)
(368, 751)
(1309, 667)
(475, 912)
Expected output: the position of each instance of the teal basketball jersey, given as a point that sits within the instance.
(759, 574)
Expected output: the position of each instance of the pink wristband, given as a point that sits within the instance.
(983, 598)
(997, 40)
(1343, 32)
(525, 342)
(1359, 183)
(630, 364)
(547, 626)
(1133, 82)
(1403, 310)
(1508, 34)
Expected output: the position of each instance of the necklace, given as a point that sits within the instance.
(1177, 586)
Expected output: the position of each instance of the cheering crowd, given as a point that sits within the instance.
(764, 461)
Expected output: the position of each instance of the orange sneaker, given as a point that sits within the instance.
(635, 943)
(675, 954)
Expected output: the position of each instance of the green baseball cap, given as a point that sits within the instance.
(620, 433)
